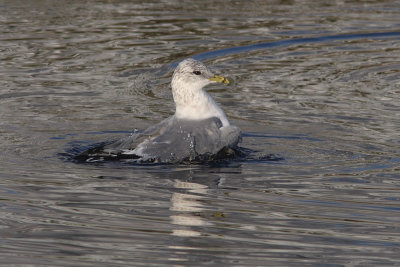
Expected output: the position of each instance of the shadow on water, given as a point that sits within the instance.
(297, 41)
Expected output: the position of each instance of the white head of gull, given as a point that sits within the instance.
(191, 100)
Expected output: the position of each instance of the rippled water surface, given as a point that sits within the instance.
(315, 84)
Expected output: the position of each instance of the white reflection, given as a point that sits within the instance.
(185, 205)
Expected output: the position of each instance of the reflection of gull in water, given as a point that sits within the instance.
(186, 206)
(199, 129)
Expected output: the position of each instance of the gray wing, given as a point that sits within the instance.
(184, 139)
(132, 141)
(114, 150)
(171, 140)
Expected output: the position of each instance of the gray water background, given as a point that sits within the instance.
(73, 73)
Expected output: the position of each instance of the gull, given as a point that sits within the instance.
(199, 130)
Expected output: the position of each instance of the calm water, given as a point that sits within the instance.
(321, 92)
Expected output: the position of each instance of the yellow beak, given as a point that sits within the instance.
(219, 79)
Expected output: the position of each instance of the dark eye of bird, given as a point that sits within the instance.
(197, 72)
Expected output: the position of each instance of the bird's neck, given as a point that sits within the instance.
(197, 105)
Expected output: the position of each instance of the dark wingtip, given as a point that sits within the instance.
(94, 153)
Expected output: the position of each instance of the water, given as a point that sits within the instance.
(81, 72)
